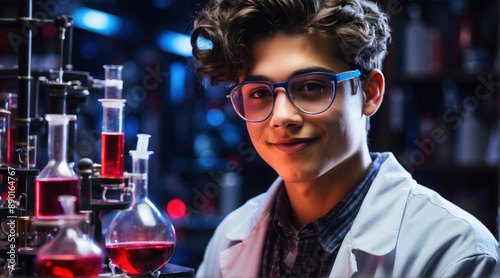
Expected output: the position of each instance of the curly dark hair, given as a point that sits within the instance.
(359, 28)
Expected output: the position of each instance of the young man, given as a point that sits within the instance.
(307, 80)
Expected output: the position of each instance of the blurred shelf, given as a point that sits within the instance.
(437, 78)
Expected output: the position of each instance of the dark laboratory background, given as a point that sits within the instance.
(439, 117)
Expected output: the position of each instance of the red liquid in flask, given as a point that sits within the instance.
(141, 257)
(69, 266)
(46, 192)
(112, 155)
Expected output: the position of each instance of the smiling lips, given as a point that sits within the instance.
(293, 145)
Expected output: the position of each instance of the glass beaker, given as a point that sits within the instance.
(112, 139)
(140, 240)
(71, 253)
(56, 178)
(113, 83)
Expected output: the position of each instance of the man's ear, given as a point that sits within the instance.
(373, 91)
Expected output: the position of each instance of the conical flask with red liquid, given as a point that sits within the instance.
(57, 177)
(141, 239)
(71, 253)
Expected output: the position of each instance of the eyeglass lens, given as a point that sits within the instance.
(312, 94)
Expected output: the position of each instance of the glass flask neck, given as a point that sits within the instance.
(58, 137)
(140, 164)
(141, 181)
(71, 230)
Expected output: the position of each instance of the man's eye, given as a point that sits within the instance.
(311, 87)
(260, 93)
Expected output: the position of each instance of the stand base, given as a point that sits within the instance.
(169, 270)
(172, 270)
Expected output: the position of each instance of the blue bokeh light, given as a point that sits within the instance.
(215, 117)
(207, 159)
(180, 44)
(177, 82)
(231, 134)
(97, 21)
(175, 43)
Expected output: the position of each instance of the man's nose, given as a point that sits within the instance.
(285, 114)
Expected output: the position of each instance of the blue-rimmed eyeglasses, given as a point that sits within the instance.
(312, 93)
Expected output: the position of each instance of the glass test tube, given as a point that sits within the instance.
(112, 139)
(113, 84)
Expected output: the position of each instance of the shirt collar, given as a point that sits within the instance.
(333, 226)
(280, 214)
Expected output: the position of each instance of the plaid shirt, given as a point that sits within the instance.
(312, 250)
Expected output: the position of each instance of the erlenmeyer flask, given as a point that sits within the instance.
(56, 178)
(141, 239)
(71, 253)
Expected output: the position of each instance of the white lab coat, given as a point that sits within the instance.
(402, 230)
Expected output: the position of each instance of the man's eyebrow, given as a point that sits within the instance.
(295, 73)
(312, 69)
(256, 78)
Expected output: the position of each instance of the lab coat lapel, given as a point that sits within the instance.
(244, 257)
(345, 264)
(374, 233)
(381, 212)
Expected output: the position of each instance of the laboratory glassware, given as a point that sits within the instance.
(57, 177)
(113, 84)
(71, 253)
(141, 239)
(112, 139)
(12, 155)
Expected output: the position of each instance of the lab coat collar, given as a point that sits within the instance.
(383, 208)
(381, 213)
(248, 237)
(261, 209)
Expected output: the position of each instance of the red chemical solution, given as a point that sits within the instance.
(141, 257)
(46, 192)
(12, 156)
(69, 266)
(112, 154)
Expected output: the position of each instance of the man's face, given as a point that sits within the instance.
(298, 146)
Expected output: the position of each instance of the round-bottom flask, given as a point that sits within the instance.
(71, 253)
(141, 239)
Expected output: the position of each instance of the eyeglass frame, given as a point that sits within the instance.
(334, 78)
